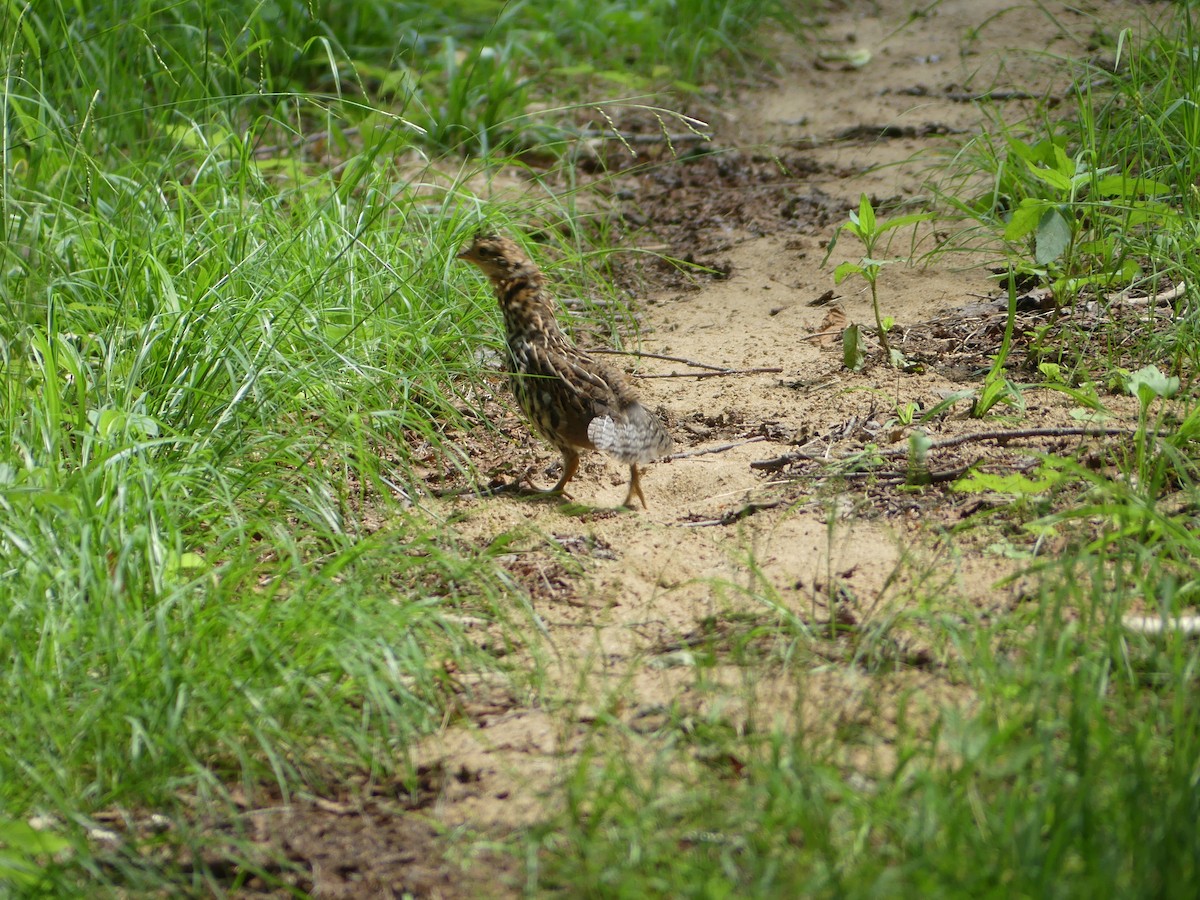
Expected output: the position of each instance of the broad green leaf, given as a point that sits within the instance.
(1021, 150)
(1090, 416)
(1014, 483)
(569, 71)
(1150, 382)
(852, 352)
(1053, 237)
(1052, 371)
(1124, 186)
(1024, 219)
(1052, 177)
(902, 221)
(845, 270)
(866, 215)
(1063, 164)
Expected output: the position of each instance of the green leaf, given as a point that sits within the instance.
(628, 79)
(1021, 150)
(25, 838)
(1063, 164)
(902, 221)
(1057, 180)
(1090, 416)
(1016, 484)
(845, 270)
(1052, 371)
(572, 71)
(1084, 397)
(1149, 382)
(23, 847)
(852, 351)
(1128, 188)
(1053, 237)
(994, 391)
(1024, 219)
(866, 215)
(943, 405)
(918, 458)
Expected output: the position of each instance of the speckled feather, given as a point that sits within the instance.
(572, 399)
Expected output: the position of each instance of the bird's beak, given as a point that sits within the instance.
(466, 254)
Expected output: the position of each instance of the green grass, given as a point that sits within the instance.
(1065, 768)
(209, 383)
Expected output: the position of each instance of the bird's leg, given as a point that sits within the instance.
(570, 467)
(635, 488)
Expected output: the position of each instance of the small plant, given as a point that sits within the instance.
(996, 385)
(1075, 214)
(864, 226)
(1147, 385)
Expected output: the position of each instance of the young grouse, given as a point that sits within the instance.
(575, 401)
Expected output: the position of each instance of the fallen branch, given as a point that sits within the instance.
(710, 371)
(709, 450)
(892, 131)
(998, 96)
(1166, 297)
(766, 370)
(644, 355)
(734, 515)
(780, 461)
(1012, 436)
(474, 490)
(925, 477)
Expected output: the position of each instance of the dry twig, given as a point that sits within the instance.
(1016, 434)
(705, 451)
(710, 371)
(765, 370)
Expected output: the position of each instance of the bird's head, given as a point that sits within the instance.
(498, 257)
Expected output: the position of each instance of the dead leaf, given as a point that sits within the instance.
(829, 333)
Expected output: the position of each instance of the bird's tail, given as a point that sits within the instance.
(637, 437)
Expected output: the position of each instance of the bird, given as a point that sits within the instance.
(573, 400)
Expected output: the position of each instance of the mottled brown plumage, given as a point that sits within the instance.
(575, 401)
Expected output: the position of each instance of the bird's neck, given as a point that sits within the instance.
(528, 309)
